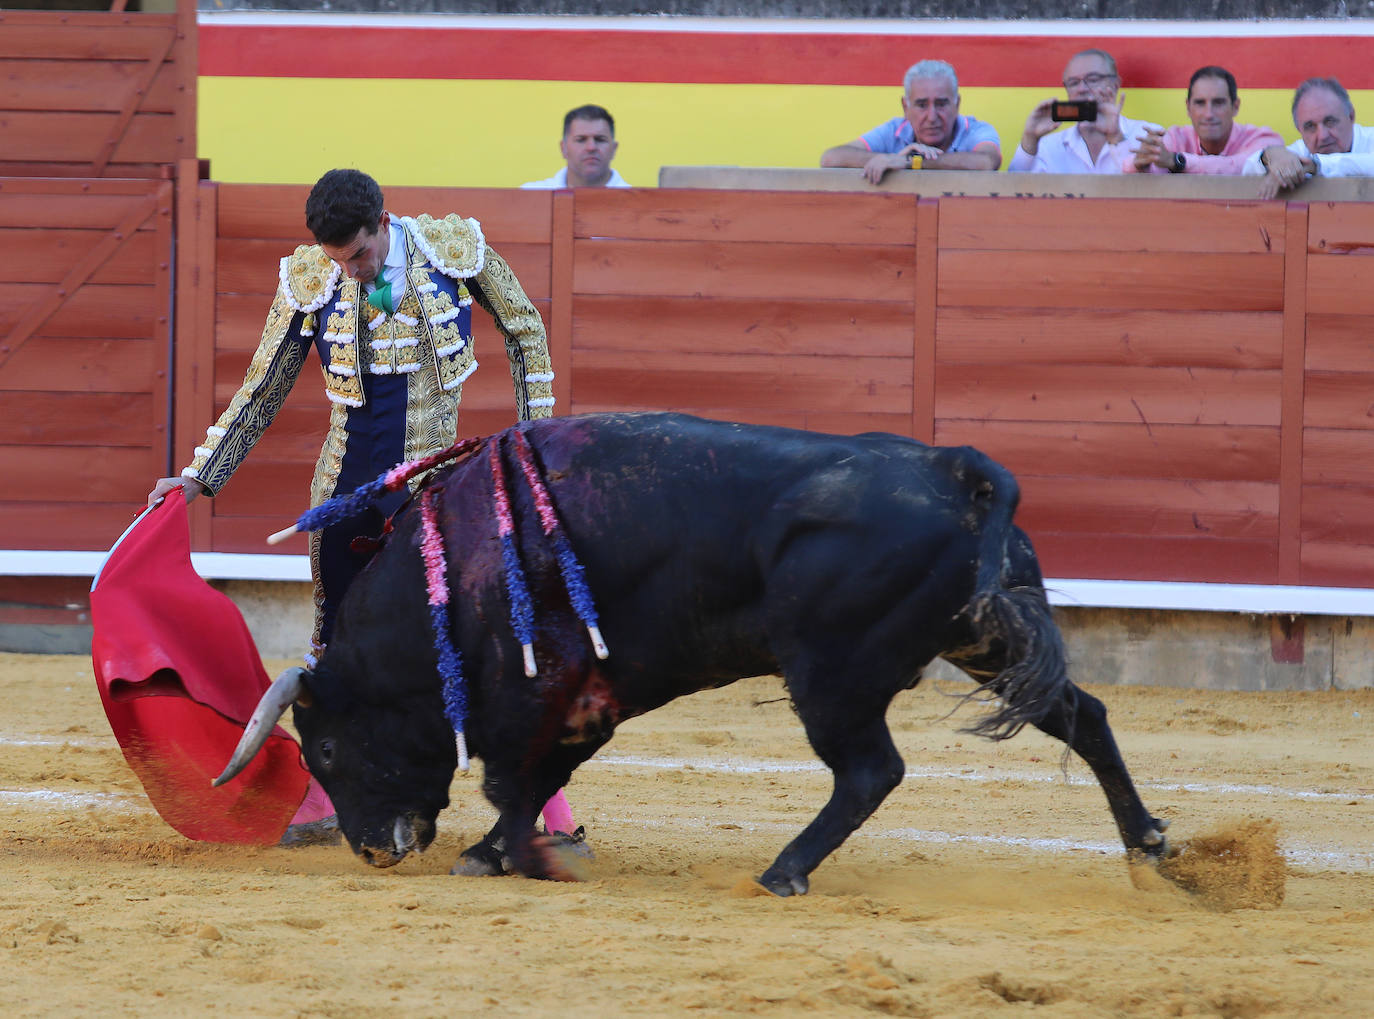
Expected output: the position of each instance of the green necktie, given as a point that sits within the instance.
(380, 298)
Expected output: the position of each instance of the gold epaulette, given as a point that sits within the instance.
(452, 245)
(308, 278)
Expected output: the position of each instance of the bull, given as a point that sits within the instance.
(714, 551)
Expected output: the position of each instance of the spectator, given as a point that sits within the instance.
(1214, 142)
(588, 145)
(1332, 144)
(1104, 145)
(930, 134)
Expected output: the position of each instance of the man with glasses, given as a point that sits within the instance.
(1332, 144)
(1104, 145)
(1213, 142)
(930, 134)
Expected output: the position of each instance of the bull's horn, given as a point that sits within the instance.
(279, 696)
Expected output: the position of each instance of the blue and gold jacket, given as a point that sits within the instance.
(397, 376)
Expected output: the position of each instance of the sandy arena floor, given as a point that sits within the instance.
(987, 885)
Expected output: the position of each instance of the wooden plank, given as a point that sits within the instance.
(1103, 279)
(1291, 427)
(924, 326)
(278, 211)
(249, 534)
(1111, 225)
(87, 365)
(741, 325)
(1337, 564)
(68, 526)
(1184, 508)
(1130, 557)
(92, 310)
(1339, 513)
(185, 65)
(85, 35)
(25, 210)
(744, 269)
(1339, 400)
(87, 473)
(1340, 285)
(79, 170)
(1338, 343)
(1338, 456)
(76, 419)
(160, 273)
(812, 217)
(1341, 228)
(262, 211)
(1111, 336)
(76, 137)
(56, 85)
(560, 321)
(837, 422)
(676, 381)
(12, 187)
(1147, 396)
(46, 256)
(195, 333)
(1178, 452)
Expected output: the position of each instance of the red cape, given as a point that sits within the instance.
(179, 676)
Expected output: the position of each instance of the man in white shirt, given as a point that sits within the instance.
(1332, 144)
(588, 145)
(1104, 145)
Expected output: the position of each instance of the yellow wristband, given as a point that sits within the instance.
(917, 162)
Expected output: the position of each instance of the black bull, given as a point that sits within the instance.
(714, 551)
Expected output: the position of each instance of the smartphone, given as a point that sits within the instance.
(1074, 110)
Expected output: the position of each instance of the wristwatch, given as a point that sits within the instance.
(1180, 163)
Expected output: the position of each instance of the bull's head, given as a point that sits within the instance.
(386, 766)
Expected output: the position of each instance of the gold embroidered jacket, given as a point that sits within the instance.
(427, 339)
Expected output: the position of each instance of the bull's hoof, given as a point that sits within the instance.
(485, 859)
(783, 885)
(324, 832)
(477, 866)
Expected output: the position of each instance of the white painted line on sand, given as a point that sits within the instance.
(745, 767)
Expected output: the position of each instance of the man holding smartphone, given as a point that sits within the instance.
(1098, 140)
(930, 134)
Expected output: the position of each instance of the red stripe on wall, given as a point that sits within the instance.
(295, 51)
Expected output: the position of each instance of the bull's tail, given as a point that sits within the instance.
(1035, 677)
(1014, 625)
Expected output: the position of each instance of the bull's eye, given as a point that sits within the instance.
(326, 749)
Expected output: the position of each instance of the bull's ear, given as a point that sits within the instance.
(305, 698)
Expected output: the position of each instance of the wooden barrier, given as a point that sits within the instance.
(88, 94)
(1181, 386)
(85, 351)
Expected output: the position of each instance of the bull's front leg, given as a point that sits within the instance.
(513, 845)
(1080, 720)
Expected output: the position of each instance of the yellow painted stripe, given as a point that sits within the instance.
(500, 133)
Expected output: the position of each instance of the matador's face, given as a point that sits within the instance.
(362, 257)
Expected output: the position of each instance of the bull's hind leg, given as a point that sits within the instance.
(866, 767)
(1080, 720)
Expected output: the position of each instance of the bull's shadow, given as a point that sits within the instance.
(712, 551)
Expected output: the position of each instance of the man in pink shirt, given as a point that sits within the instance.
(1213, 142)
